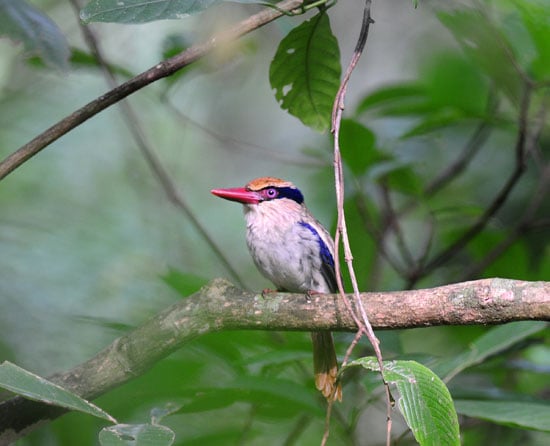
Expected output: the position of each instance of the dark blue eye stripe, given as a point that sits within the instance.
(290, 193)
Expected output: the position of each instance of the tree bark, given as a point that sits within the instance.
(222, 306)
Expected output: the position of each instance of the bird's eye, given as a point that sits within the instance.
(270, 193)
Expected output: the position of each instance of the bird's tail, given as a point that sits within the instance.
(325, 365)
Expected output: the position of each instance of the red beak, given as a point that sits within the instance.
(239, 194)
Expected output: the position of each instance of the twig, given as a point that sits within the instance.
(377, 235)
(525, 224)
(504, 46)
(473, 145)
(154, 163)
(393, 224)
(449, 174)
(523, 145)
(159, 71)
(326, 432)
(337, 111)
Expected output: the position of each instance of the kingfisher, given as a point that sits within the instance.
(295, 252)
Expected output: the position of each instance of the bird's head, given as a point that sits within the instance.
(262, 190)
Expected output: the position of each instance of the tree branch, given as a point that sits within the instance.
(525, 142)
(159, 71)
(222, 306)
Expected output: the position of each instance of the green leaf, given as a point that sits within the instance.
(278, 398)
(526, 415)
(174, 44)
(492, 342)
(216, 437)
(185, 284)
(360, 210)
(453, 81)
(81, 59)
(136, 435)
(84, 60)
(38, 33)
(485, 46)
(425, 401)
(452, 92)
(357, 146)
(438, 120)
(31, 386)
(394, 95)
(398, 175)
(142, 11)
(535, 18)
(305, 72)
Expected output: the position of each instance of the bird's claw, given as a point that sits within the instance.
(310, 293)
(267, 291)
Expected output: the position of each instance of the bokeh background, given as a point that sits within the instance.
(91, 245)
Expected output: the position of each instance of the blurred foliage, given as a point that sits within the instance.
(22, 22)
(90, 244)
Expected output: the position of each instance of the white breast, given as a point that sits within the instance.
(284, 251)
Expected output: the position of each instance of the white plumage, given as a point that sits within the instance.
(295, 252)
(285, 248)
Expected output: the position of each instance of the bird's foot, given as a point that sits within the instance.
(310, 294)
(267, 291)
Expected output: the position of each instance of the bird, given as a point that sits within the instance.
(295, 252)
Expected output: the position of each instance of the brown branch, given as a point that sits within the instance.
(472, 147)
(359, 314)
(526, 223)
(365, 325)
(392, 223)
(415, 266)
(159, 71)
(360, 317)
(379, 237)
(524, 143)
(221, 306)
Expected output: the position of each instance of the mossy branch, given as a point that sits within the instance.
(221, 306)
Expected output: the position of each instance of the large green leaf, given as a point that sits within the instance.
(398, 176)
(273, 397)
(142, 11)
(394, 95)
(490, 343)
(535, 16)
(527, 415)
(425, 402)
(38, 33)
(453, 91)
(486, 47)
(31, 386)
(136, 435)
(357, 146)
(305, 72)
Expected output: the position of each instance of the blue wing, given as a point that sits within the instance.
(327, 261)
